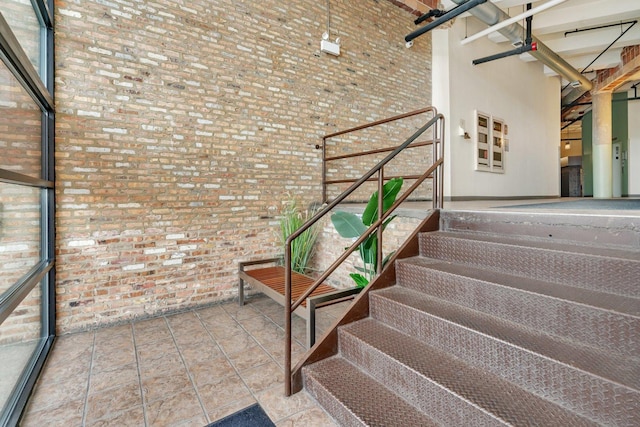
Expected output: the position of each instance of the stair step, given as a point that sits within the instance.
(607, 321)
(601, 230)
(600, 269)
(591, 383)
(353, 398)
(442, 385)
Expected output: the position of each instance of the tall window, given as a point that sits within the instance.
(27, 304)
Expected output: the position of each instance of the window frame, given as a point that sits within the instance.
(40, 86)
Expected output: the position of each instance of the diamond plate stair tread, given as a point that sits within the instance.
(614, 231)
(630, 253)
(519, 300)
(621, 370)
(601, 300)
(338, 386)
(590, 269)
(497, 396)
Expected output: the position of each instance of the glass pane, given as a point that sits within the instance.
(24, 23)
(19, 232)
(20, 127)
(20, 335)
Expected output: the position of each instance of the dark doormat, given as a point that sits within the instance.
(253, 416)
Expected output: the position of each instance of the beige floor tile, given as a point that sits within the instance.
(175, 409)
(74, 367)
(223, 392)
(170, 364)
(215, 310)
(262, 303)
(276, 349)
(116, 376)
(192, 334)
(157, 331)
(104, 337)
(186, 318)
(50, 394)
(263, 377)
(312, 417)
(67, 414)
(150, 353)
(250, 358)
(278, 406)
(240, 312)
(231, 408)
(211, 371)
(69, 347)
(207, 347)
(110, 358)
(235, 343)
(223, 328)
(153, 323)
(194, 353)
(113, 332)
(108, 403)
(132, 418)
(198, 421)
(155, 388)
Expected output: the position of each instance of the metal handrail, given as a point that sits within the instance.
(326, 159)
(436, 171)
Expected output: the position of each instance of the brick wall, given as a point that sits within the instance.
(181, 126)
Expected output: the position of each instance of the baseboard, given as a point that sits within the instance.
(472, 198)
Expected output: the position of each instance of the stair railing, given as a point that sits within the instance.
(326, 159)
(435, 171)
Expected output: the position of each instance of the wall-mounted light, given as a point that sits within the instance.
(462, 131)
(327, 46)
(567, 145)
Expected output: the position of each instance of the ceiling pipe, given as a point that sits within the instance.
(506, 22)
(491, 14)
(463, 7)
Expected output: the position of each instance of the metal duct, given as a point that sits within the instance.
(491, 14)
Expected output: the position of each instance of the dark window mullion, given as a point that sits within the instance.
(19, 63)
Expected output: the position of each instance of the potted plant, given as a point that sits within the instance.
(350, 225)
(303, 247)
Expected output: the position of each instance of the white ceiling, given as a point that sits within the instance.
(578, 48)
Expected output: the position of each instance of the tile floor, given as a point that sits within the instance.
(186, 369)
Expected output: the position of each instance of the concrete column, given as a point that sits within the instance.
(602, 134)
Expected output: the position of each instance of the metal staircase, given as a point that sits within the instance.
(492, 319)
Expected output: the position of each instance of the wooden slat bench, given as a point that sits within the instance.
(270, 281)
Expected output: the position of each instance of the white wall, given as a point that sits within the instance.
(517, 92)
(633, 161)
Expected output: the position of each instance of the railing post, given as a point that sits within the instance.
(287, 318)
(379, 231)
(324, 169)
(441, 167)
(434, 157)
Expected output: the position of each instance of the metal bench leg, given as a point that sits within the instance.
(311, 322)
(240, 287)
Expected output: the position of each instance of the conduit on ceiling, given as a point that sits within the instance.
(491, 14)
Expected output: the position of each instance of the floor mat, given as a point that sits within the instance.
(253, 416)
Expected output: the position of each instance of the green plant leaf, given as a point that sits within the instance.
(386, 259)
(390, 190)
(387, 221)
(347, 224)
(360, 280)
(368, 250)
